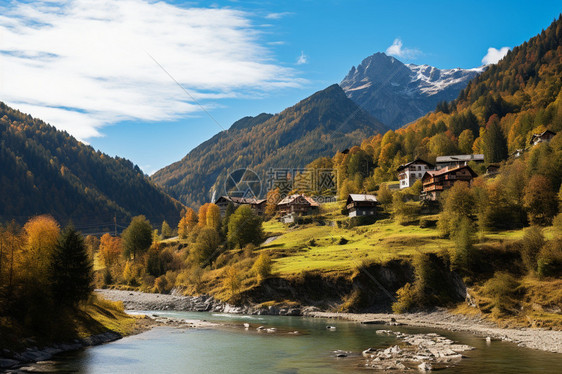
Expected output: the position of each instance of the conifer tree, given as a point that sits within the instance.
(71, 269)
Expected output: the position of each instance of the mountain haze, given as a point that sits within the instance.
(397, 93)
(317, 126)
(47, 171)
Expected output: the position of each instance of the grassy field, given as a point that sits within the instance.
(329, 248)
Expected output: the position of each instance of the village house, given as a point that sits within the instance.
(492, 169)
(517, 153)
(361, 205)
(257, 205)
(457, 160)
(437, 181)
(409, 173)
(543, 137)
(297, 204)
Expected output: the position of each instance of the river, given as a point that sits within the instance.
(233, 349)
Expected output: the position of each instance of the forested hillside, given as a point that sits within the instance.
(320, 125)
(496, 114)
(46, 171)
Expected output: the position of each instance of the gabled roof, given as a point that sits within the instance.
(361, 197)
(241, 200)
(416, 161)
(448, 170)
(292, 198)
(542, 134)
(461, 158)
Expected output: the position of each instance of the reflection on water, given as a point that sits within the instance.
(236, 350)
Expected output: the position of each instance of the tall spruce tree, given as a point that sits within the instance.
(495, 144)
(70, 270)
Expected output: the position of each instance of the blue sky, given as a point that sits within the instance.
(102, 72)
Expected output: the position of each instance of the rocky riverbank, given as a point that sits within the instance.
(535, 338)
(134, 300)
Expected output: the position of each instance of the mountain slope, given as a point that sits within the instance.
(496, 114)
(46, 171)
(317, 126)
(397, 93)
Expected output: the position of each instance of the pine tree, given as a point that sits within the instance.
(495, 145)
(70, 270)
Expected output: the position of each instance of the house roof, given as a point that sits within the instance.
(416, 161)
(242, 200)
(448, 170)
(291, 199)
(541, 135)
(461, 158)
(361, 197)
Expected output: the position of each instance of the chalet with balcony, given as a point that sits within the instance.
(361, 205)
(409, 173)
(257, 205)
(437, 181)
(543, 137)
(297, 204)
(457, 161)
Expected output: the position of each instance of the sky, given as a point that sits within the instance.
(150, 80)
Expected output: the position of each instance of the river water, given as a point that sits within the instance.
(233, 349)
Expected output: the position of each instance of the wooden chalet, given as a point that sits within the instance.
(257, 205)
(543, 137)
(437, 181)
(457, 160)
(361, 205)
(298, 204)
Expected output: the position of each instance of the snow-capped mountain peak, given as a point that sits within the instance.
(397, 93)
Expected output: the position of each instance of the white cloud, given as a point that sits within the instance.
(494, 55)
(277, 15)
(84, 64)
(303, 59)
(397, 50)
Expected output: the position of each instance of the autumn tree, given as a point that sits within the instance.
(244, 227)
(41, 237)
(110, 249)
(213, 217)
(207, 246)
(466, 140)
(458, 203)
(273, 197)
(262, 266)
(70, 269)
(203, 214)
(166, 230)
(187, 223)
(540, 200)
(137, 237)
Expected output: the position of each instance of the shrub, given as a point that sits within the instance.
(232, 280)
(501, 290)
(463, 254)
(531, 244)
(161, 284)
(405, 299)
(262, 267)
(549, 263)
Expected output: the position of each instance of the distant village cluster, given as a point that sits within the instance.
(435, 180)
